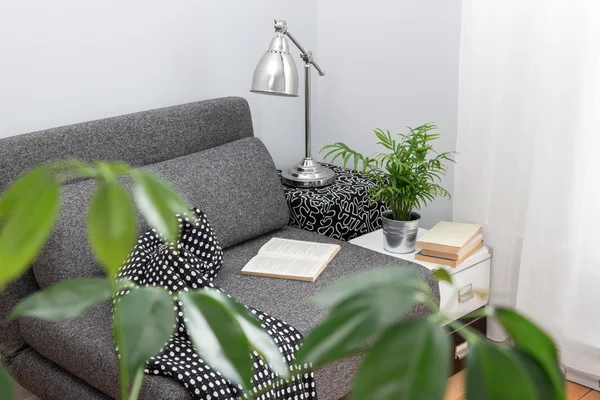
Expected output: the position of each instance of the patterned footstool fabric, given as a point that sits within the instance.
(191, 264)
(340, 210)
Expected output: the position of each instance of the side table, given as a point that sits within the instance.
(340, 210)
(470, 280)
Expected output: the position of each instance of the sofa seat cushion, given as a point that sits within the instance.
(289, 299)
(239, 205)
(84, 345)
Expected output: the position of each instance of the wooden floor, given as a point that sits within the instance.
(456, 390)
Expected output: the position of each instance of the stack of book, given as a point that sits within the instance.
(450, 243)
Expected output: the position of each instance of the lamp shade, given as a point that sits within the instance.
(276, 72)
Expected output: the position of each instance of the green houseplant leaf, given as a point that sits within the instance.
(7, 389)
(158, 203)
(148, 320)
(406, 175)
(257, 337)
(532, 340)
(112, 226)
(496, 373)
(398, 277)
(442, 275)
(64, 300)
(28, 210)
(352, 322)
(538, 377)
(410, 361)
(218, 336)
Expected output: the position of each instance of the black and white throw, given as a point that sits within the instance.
(193, 263)
(341, 210)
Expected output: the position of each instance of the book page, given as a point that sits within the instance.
(296, 249)
(283, 267)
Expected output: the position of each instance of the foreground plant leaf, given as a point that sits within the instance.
(351, 323)
(486, 363)
(112, 226)
(7, 389)
(28, 210)
(20, 189)
(257, 336)
(64, 300)
(218, 337)
(442, 275)
(397, 277)
(158, 203)
(410, 361)
(538, 377)
(148, 321)
(532, 340)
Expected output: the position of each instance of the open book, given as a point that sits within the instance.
(291, 259)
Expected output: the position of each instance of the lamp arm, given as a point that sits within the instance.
(307, 56)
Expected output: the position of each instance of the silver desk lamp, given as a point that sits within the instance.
(276, 74)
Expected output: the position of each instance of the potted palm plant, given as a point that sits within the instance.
(406, 177)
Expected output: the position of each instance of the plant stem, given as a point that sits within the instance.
(118, 335)
(137, 385)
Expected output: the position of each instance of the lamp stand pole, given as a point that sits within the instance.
(307, 111)
(308, 172)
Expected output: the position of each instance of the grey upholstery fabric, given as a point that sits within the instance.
(139, 139)
(239, 205)
(288, 299)
(215, 180)
(84, 347)
(11, 341)
(50, 382)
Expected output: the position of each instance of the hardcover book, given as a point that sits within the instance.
(446, 261)
(448, 237)
(456, 256)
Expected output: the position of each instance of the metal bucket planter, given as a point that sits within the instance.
(400, 236)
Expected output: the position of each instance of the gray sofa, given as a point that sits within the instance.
(204, 150)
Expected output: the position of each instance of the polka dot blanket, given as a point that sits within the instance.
(193, 263)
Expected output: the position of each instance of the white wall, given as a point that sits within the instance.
(69, 61)
(388, 64)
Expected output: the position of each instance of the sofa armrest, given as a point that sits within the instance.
(84, 346)
(11, 341)
(47, 380)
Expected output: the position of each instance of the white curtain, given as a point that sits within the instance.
(528, 166)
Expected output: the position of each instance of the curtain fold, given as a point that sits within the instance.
(528, 166)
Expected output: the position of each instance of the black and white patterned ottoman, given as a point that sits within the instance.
(340, 210)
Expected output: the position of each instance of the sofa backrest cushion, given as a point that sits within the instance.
(142, 138)
(235, 184)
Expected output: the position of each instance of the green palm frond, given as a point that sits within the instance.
(406, 175)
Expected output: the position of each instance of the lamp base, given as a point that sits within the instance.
(308, 173)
